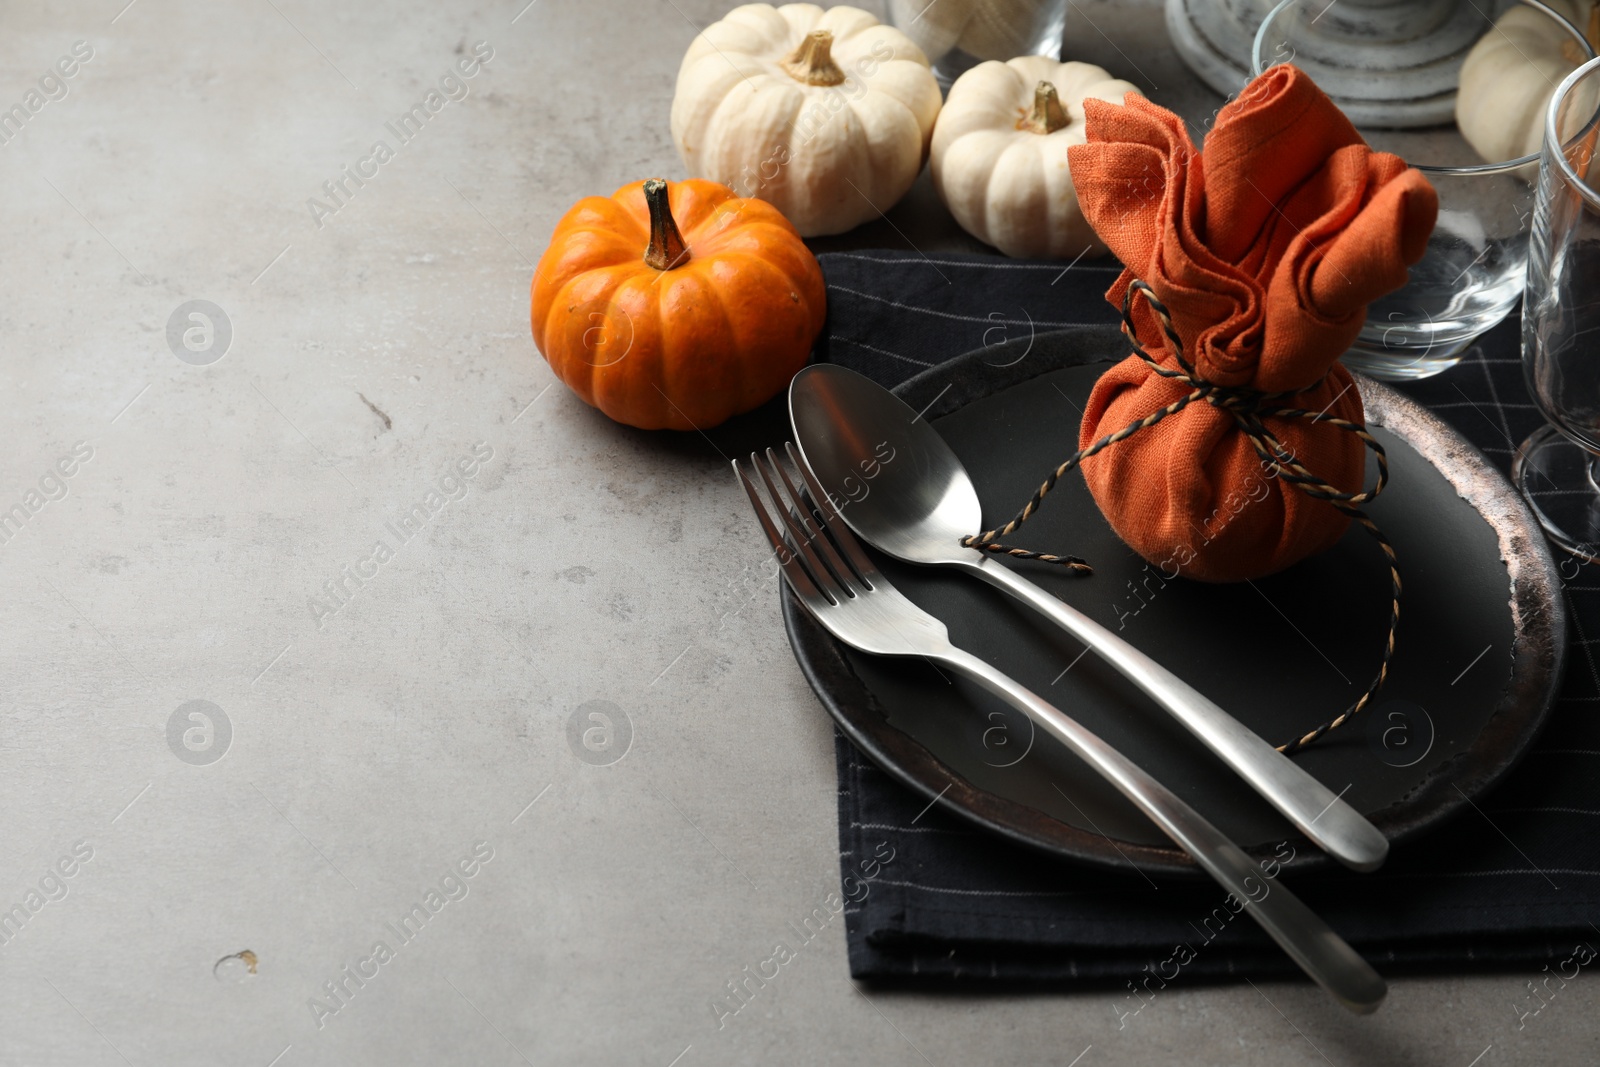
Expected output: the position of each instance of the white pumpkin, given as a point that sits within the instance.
(933, 25)
(1000, 153)
(1001, 29)
(824, 114)
(1511, 73)
(983, 29)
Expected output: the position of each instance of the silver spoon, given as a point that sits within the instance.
(918, 506)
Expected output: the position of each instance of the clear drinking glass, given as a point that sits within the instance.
(1558, 467)
(1471, 275)
(956, 35)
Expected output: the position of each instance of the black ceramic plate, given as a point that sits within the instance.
(1478, 656)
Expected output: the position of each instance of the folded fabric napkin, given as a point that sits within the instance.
(931, 900)
(1265, 246)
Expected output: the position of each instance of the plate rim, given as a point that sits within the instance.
(1539, 642)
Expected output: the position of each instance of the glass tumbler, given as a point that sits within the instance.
(1558, 467)
(1484, 165)
(957, 35)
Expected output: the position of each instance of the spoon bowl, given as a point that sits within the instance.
(904, 490)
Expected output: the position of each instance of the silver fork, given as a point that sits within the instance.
(847, 594)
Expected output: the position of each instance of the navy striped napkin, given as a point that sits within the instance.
(930, 900)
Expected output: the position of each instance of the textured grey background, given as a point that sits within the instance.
(585, 562)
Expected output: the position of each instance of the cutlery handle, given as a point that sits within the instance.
(1319, 813)
(1309, 941)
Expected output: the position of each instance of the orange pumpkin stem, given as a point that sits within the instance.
(666, 249)
(1047, 115)
(812, 60)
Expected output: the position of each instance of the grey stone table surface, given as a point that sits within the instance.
(184, 883)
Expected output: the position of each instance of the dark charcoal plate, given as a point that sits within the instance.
(1478, 656)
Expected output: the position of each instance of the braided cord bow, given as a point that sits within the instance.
(1249, 408)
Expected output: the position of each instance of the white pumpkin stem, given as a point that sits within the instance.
(666, 249)
(1047, 115)
(812, 61)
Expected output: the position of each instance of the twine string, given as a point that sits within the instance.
(1249, 408)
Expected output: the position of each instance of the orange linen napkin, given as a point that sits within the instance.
(1266, 248)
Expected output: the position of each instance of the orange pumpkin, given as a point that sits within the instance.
(662, 328)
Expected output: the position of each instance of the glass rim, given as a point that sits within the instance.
(1552, 137)
(1502, 167)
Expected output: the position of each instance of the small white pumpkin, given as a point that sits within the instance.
(983, 29)
(1511, 73)
(1001, 29)
(933, 25)
(1000, 153)
(824, 114)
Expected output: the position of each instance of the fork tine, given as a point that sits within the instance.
(814, 534)
(793, 570)
(836, 585)
(864, 568)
